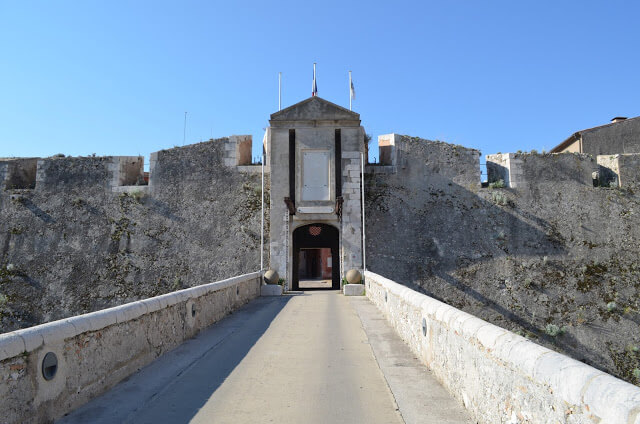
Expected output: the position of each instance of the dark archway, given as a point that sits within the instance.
(316, 237)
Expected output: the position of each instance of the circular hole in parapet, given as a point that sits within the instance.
(49, 366)
(193, 310)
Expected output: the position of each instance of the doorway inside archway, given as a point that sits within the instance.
(316, 264)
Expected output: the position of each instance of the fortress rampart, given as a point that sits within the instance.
(547, 250)
(119, 173)
(85, 233)
(548, 256)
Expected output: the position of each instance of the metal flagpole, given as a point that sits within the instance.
(279, 91)
(262, 219)
(350, 97)
(314, 87)
(364, 236)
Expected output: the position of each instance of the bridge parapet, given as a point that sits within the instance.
(95, 351)
(498, 375)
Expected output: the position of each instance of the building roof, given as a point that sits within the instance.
(576, 135)
(315, 109)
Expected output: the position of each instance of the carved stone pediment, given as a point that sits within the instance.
(315, 109)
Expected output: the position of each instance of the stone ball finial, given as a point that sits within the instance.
(353, 276)
(271, 276)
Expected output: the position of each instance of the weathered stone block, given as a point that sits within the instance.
(130, 311)
(353, 289)
(32, 338)
(270, 290)
(57, 331)
(11, 345)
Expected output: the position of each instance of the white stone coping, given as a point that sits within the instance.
(605, 396)
(28, 339)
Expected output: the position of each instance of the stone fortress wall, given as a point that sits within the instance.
(548, 255)
(80, 234)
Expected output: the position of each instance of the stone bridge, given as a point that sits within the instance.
(221, 353)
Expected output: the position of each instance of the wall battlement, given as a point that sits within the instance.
(399, 153)
(516, 170)
(521, 170)
(18, 173)
(118, 173)
(620, 170)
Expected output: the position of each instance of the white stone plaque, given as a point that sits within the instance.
(315, 175)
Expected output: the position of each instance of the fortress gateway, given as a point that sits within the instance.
(315, 154)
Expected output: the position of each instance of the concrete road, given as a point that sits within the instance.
(289, 359)
(314, 365)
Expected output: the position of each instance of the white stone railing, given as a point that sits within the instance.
(499, 376)
(95, 351)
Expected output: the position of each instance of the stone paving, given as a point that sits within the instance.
(291, 359)
(314, 284)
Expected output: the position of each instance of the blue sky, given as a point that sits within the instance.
(115, 77)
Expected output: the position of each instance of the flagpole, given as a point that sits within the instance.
(364, 235)
(350, 91)
(314, 88)
(279, 90)
(262, 215)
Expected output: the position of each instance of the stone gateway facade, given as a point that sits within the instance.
(315, 154)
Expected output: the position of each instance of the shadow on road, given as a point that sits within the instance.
(175, 386)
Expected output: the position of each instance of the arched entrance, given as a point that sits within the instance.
(316, 261)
